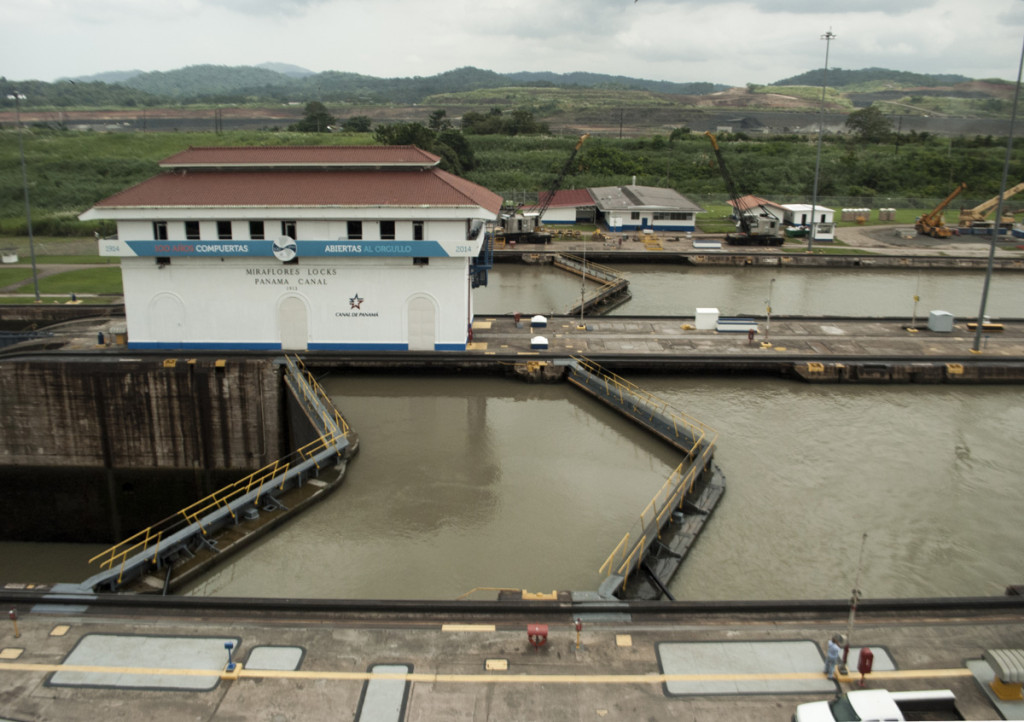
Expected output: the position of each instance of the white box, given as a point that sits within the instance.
(941, 321)
(706, 319)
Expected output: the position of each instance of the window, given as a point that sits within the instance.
(159, 230)
(288, 229)
(417, 230)
(473, 229)
(192, 230)
(223, 230)
(256, 230)
(634, 216)
(420, 261)
(355, 230)
(387, 230)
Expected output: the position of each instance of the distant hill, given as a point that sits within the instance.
(839, 78)
(546, 93)
(207, 81)
(596, 80)
(283, 83)
(294, 71)
(112, 76)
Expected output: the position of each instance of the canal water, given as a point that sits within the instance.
(487, 482)
(671, 290)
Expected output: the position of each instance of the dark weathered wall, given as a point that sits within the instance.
(95, 449)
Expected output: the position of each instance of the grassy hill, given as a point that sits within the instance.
(475, 87)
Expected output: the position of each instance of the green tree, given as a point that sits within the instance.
(679, 133)
(438, 121)
(870, 125)
(317, 119)
(357, 124)
(476, 123)
(455, 152)
(405, 134)
(453, 146)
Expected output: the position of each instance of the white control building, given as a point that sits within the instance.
(294, 248)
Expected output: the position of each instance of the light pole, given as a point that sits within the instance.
(583, 287)
(976, 348)
(828, 38)
(17, 98)
(768, 311)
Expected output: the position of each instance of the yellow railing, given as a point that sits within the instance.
(665, 501)
(626, 556)
(591, 266)
(315, 396)
(150, 538)
(616, 386)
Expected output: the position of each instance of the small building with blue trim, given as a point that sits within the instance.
(638, 208)
(295, 248)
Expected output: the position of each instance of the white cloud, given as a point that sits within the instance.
(732, 42)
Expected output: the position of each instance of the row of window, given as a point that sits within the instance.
(663, 216)
(164, 261)
(258, 230)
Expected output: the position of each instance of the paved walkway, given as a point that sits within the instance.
(81, 662)
(814, 338)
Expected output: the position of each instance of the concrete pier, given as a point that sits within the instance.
(166, 659)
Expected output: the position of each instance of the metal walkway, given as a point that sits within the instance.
(613, 292)
(694, 486)
(179, 536)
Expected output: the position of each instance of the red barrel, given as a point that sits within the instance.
(864, 662)
(537, 634)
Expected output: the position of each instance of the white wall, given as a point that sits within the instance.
(233, 302)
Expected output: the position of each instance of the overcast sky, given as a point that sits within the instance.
(757, 41)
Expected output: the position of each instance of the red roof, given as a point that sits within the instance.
(568, 198)
(304, 189)
(750, 202)
(302, 156)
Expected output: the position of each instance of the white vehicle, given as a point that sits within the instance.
(874, 705)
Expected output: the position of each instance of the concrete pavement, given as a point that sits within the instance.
(649, 662)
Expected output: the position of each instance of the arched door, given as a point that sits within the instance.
(293, 322)
(422, 323)
(167, 320)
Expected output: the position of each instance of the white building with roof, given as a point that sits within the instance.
(295, 248)
(636, 208)
(803, 214)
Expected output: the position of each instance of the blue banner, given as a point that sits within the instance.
(308, 249)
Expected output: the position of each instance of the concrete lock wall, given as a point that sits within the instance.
(93, 451)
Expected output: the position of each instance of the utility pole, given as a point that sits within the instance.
(17, 98)
(854, 598)
(976, 348)
(828, 38)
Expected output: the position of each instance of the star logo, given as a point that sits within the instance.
(355, 302)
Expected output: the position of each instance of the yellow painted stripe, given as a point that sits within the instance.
(467, 627)
(480, 678)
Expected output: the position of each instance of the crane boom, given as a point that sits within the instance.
(557, 183)
(750, 224)
(931, 224)
(970, 216)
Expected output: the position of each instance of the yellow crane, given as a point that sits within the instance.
(932, 224)
(970, 217)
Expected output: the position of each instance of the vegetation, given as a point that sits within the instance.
(218, 84)
(869, 125)
(69, 171)
(317, 120)
(842, 78)
(518, 122)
